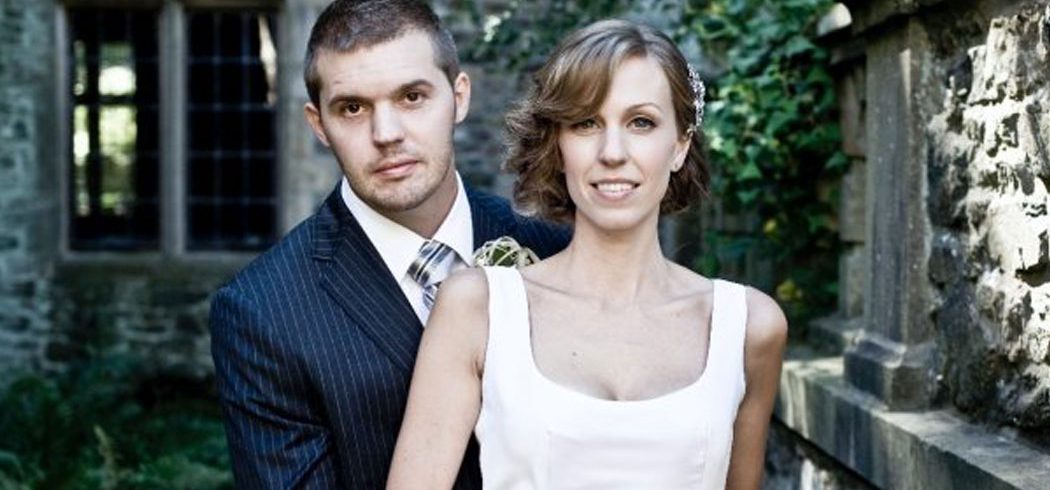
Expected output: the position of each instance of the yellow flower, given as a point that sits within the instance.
(789, 291)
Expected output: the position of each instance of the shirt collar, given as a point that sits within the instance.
(398, 246)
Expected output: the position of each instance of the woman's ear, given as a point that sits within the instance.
(683, 144)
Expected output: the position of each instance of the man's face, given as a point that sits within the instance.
(387, 112)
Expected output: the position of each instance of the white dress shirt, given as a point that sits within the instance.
(398, 246)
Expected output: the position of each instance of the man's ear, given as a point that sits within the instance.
(461, 94)
(313, 116)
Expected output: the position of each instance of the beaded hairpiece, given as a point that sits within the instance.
(698, 93)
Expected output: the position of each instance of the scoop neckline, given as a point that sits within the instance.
(662, 398)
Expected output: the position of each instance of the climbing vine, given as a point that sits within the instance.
(771, 124)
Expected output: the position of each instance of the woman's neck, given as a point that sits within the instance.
(621, 268)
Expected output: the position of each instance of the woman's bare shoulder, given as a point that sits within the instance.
(459, 321)
(466, 288)
(766, 324)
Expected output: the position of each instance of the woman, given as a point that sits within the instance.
(606, 365)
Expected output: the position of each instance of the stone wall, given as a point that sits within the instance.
(989, 177)
(56, 306)
(792, 463)
(943, 380)
(29, 196)
(158, 312)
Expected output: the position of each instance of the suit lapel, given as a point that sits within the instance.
(355, 276)
(491, 217)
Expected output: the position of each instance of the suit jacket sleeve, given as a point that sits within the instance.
(276, 440)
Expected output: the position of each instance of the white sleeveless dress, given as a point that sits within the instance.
(537, 434)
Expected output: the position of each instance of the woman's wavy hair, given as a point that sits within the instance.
(571, 86)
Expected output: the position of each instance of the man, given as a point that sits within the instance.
(315, 341)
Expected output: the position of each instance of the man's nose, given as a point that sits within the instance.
(386, 126)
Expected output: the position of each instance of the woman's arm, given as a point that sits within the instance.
(763, 355)
(445, 396)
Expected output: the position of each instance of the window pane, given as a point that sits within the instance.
(232, 152)
(113, 87)
(117, 76)
(81, 151)
(118, 136)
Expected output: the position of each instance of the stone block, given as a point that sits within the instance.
(62, 352)
(190, 324)
(148, 330)
(932, 450)
(902, 376)
(834, 333)
(850, 89)
(8, 243)
(15, 324)
(1016, 240)
(853, 279)
(853, 203)
(897, 298)
(793, 463)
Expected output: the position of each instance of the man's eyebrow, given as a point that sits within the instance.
(401, 89)
(341, 99)
(414, 84)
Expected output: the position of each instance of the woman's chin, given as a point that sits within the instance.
(612, 221)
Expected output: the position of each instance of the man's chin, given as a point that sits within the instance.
(396, 203)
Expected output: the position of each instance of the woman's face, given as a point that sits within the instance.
(618, 162)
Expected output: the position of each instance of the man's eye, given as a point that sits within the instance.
(413, 97)
(352, 109)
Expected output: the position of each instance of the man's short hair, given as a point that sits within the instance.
(348, 25)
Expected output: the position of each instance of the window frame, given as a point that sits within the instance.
(173, 117)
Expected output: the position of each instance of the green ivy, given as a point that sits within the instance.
(774, 141)
(103, 424)
(770, 122)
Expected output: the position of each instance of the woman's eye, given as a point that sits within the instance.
(413, 97)
(642, 123)
(584, 125)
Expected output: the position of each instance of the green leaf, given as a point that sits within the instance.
(798, 45)
(837, 162)
(750, 172)
(747, 196)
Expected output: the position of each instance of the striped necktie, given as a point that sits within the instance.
(430, 268)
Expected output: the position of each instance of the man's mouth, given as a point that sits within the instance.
(398, 167)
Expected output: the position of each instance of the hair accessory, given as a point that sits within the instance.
(698, 92)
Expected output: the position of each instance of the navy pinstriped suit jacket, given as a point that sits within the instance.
(314, 344)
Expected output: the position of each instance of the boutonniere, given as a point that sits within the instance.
(504, 251)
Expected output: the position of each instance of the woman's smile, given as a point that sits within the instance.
(614, 189)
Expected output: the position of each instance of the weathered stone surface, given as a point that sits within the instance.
(793, 463)
(897, 299)
(29, 184)
(853, 206)
(988, 200)
(928, 450)
(853, 279)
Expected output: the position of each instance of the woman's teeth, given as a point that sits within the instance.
(614, 187)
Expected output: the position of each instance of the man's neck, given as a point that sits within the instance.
(426, 219)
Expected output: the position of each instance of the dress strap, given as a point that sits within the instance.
(509, 339)
(728, 331)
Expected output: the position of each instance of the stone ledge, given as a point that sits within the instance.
(907, 450)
